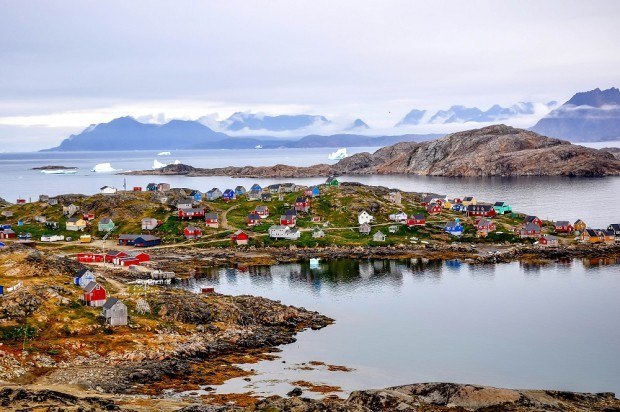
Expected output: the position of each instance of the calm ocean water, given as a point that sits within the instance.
(595, 200)
(400, 322)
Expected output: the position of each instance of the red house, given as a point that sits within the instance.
(416, 220)
(564, 226)
(240, 238)
(89, 257)
(433, 208)
(21, 201)
(530, 230)
(140, 256)
(7, 234)
(481, 210)
(191, 213)
(114, 254)
(192, 232)
(262, 211)
(532, 219)
(302, 204)
(253, 219)
(212, 220)
(94, 294)
(88, 216)
(137, 188)
(288, 220)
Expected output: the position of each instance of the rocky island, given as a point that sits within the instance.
(490, 151)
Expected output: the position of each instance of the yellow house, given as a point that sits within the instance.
(580, 225)
(86, 239)
(591, 236)
(75, 224)
(447, 205)
(469, 200)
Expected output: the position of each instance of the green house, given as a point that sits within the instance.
(502, 208)
(332, 181)
(106, 225)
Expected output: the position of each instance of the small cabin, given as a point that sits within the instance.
(398, 216)
(580, 225)
(454, 228)
(459, 207)
(240, 238)
(480, 210)
(107, 190)
(94, 294)
(564, 226)
(83, 277)
(163, 187)
(70, 209)
(191, 213)
(214, 194)
(88, 216)
(416, 220)
(318, 233)
(302, 204)
(548, 240)
(532, 219)
(212, 220)
(192, 232)
(114, 312)
(283, 232)
(196, 195)
(433, 208)
(364, 217)
(530, 230)
(332, 181)
(266, 197)
(288, 220)
(364, 229)
(313, 192)
(378, 237)
(240, 190)
(615, 228)
(253, 219)
(150, 223)
(501, 208)
(228, 195)
(105, 225)
(262, 211)
(255, 194)
(137, 188)
(75, 224)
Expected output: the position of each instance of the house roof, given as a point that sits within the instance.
(128, 237)
(229, 192)
(499, 204)
(550, 237)
(417, 216)
(114, 252)
(90, 287)
(530, 218)
(562, 223)
(110, 302)
(486, 208)
(614, 226)
(253, 216)
(73, 220)
(192, 228)
(301, 199)
(453, 225)
(82, 272)
(531, 227)
(261, 208)
(149, 219)
(192, 210)
(147, 237)
(105, 221)
(591, 232)
(239, 187)
(211, 216)
(279, 227)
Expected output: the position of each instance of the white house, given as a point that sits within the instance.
(398, 216)
(365, 217)
(108, 190)
(379, 237)
(283, 232)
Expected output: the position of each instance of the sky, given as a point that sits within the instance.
(67, 64)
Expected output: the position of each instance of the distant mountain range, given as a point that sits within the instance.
(587, 116)
(126, 133)
(463, 114)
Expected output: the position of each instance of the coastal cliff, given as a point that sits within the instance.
(490, 151)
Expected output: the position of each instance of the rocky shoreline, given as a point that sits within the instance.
(430, 397)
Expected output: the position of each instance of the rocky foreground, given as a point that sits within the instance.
(427, 397)
(490, 151)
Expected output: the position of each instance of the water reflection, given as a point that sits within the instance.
(520, 324)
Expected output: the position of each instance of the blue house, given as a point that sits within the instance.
(313, 192)
(2, 244)
(84, 277)
(454, 228)
(1, 290)
(20, 222)
(151, 187)
(196, 195)
(459, 207)
(239, 190)
(146, 241)
(5, 226)
(229, 194)
(256, 186)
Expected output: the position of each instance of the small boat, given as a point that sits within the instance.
(164, 154)
(338, 154)
(58, 171)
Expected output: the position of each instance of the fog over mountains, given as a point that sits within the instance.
(587, 116)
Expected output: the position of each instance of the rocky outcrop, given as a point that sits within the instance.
(19, 399)
(491, 151)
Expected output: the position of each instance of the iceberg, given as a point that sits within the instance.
(338, 154)
(158, 165)
(164, 154)
(104, 168)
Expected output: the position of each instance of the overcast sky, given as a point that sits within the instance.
(67, 64)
